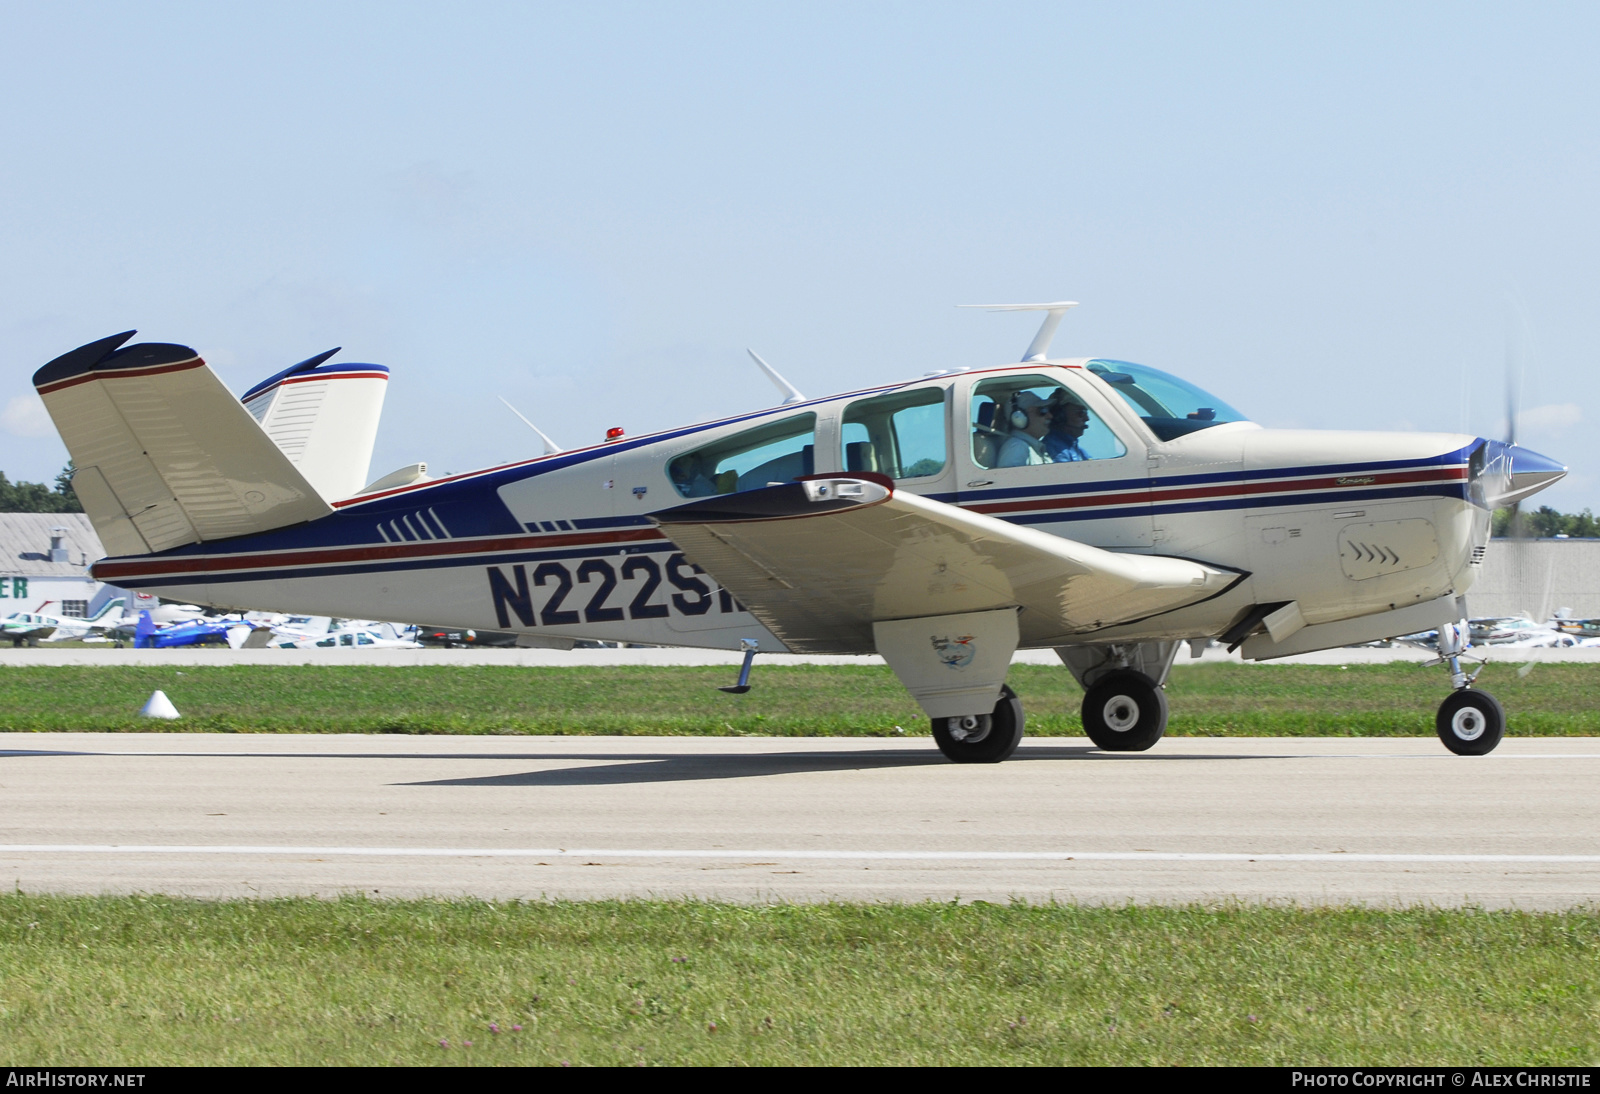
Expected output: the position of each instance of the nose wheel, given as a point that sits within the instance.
(982, 738)
(1470, 723)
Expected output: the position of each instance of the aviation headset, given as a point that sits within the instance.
(1019, 417)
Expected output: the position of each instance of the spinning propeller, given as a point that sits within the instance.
(1505, 472)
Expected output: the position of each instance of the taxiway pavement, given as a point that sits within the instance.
(1311, 821)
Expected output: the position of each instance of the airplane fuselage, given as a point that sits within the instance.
(1344, 524)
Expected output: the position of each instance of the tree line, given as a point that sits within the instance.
(36, 497)
(1545, 522)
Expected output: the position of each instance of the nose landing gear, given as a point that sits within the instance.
(1469, 722)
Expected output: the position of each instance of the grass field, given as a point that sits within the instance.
(798, 701)
(130, 981)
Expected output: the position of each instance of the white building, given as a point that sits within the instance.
(1538, 576)
(44, 565)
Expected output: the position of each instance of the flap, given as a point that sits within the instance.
(821, 560)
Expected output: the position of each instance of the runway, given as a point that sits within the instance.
(1311, 821)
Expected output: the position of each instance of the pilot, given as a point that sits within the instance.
(1068, 419)
(1029, 421)
(694, 475)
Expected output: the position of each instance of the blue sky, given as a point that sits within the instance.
(1341, 217)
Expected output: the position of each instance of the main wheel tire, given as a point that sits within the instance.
(1470, 723)
(982, 738)
(1125, 712)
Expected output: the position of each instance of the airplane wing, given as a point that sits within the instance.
(819, 561)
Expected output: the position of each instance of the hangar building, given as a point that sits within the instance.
(44, 565)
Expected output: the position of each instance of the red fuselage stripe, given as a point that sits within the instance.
(1225, 490)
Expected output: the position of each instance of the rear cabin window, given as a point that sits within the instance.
(901, 435)
(775, 452)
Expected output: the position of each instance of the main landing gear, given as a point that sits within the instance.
(982, 738)
(1469, 722)
(1124, 711)
(1124, 706)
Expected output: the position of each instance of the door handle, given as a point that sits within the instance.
(981, 482)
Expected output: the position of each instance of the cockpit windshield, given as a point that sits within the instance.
(1169, 406)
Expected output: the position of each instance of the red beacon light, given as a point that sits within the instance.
(614, 433)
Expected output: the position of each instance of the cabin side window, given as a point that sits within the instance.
(901, 435)
(775, 452)
(1022, 420)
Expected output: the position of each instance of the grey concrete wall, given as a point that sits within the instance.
(1538, 575)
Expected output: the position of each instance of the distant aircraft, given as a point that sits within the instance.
(27, 628)
(352, 638)
(33, 627)
(149, 635)
(1107, 510)
(69, 627)
(1515, 631)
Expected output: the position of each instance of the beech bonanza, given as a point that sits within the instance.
(1106, 510)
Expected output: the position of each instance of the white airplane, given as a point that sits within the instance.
(35, 626)
(1519, 631)
(27, 628)
(347, 638)
(1106, 510)
(68, 627)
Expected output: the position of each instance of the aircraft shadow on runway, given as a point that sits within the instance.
(653, 767)
(657, 768)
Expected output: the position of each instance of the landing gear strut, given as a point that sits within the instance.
(1469, 722)
(982, 738)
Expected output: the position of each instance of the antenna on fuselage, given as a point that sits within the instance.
(791, 394)
(1040, 346)
(550, 447)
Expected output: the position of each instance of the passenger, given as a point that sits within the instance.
(1025, 445)
(1068, 419)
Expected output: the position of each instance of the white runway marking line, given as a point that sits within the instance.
(764, 855)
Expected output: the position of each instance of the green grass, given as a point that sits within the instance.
(789, 701)
(127, 981)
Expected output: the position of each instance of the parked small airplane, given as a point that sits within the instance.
(69, 627)
(149, 635)
(1519, 631)
(27, 628)
(1107, 510)
(348, 638)
(34, 627)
